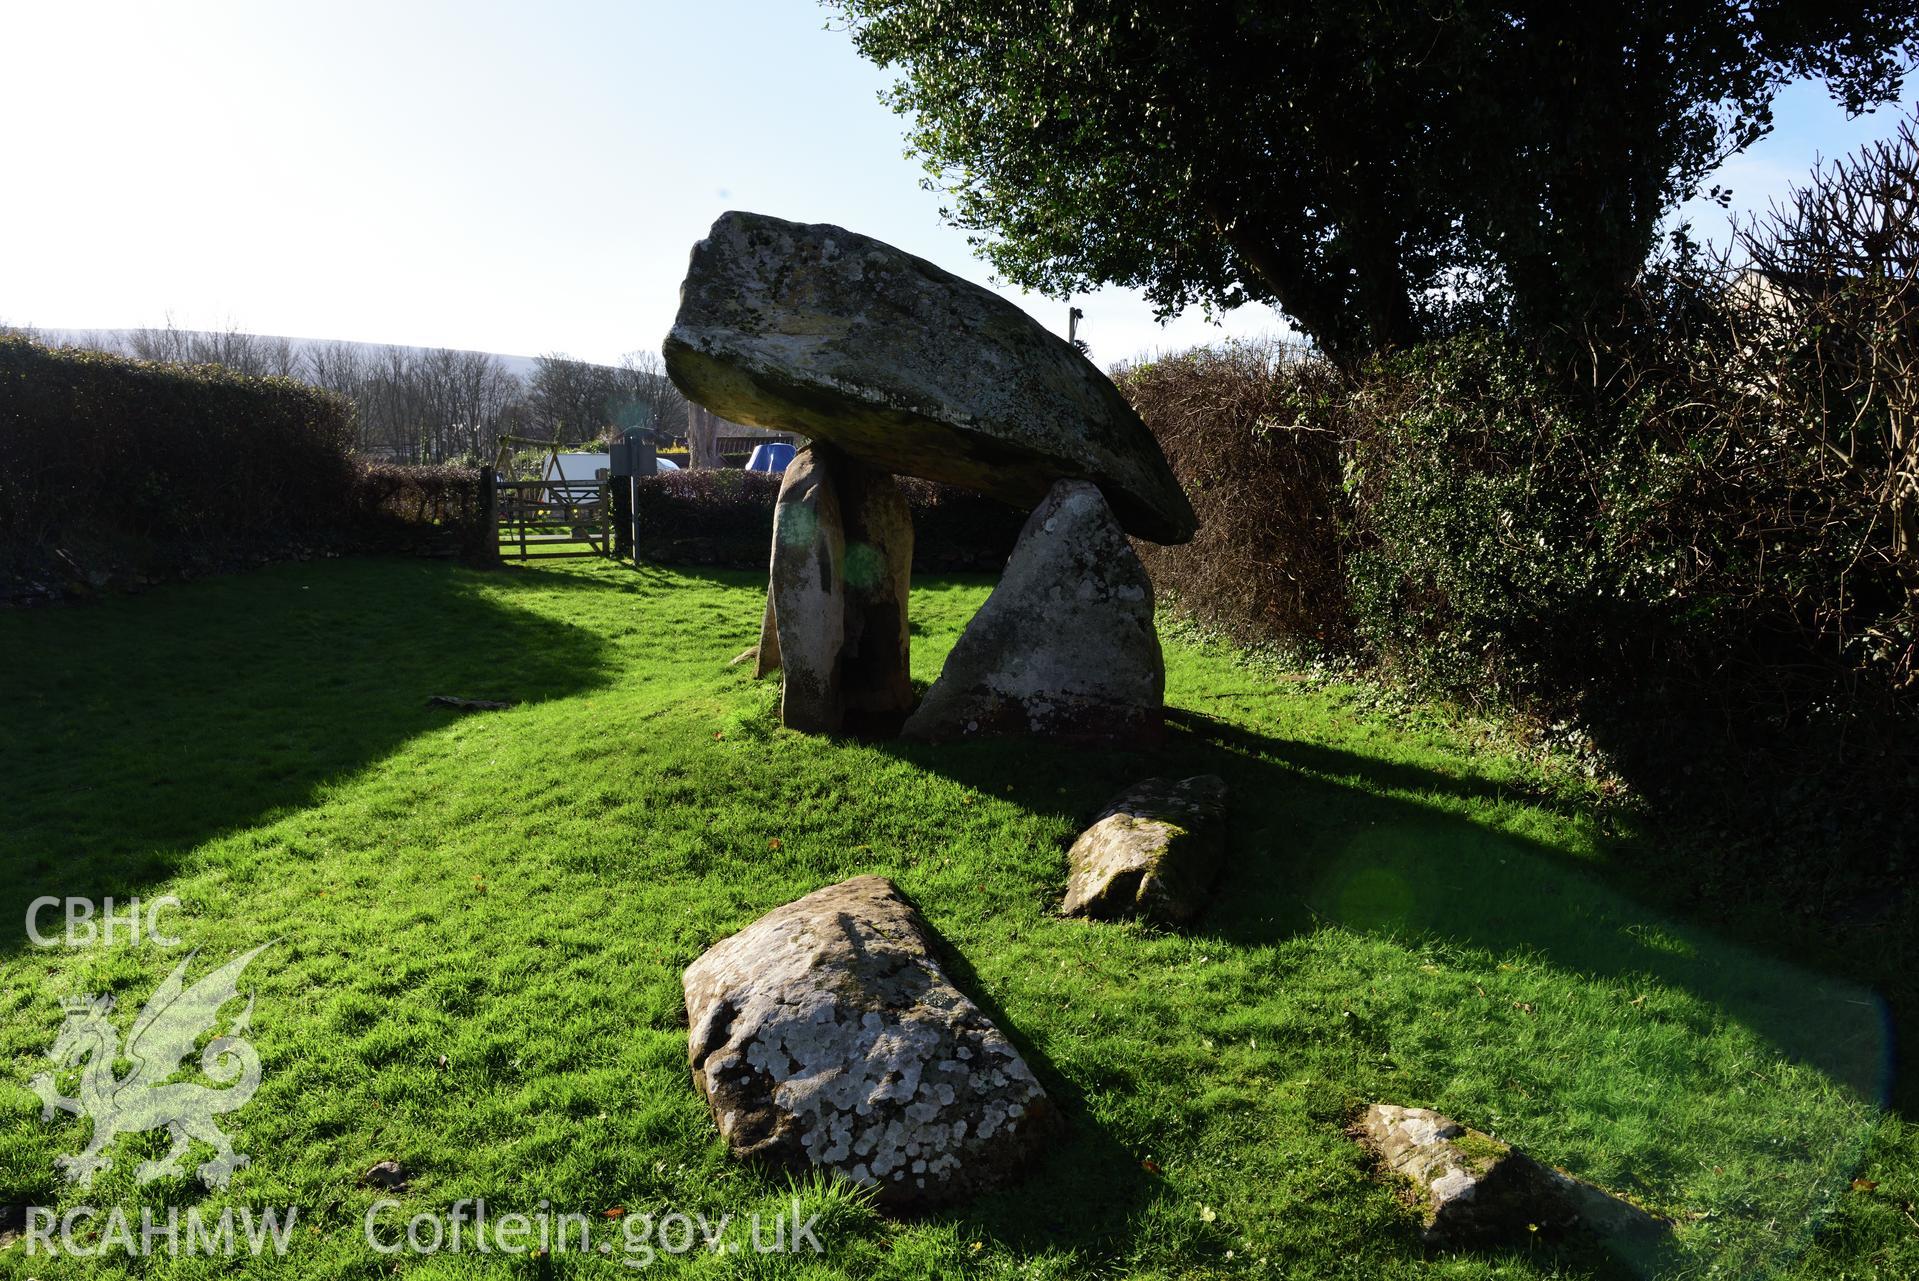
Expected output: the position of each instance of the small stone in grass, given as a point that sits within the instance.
(1154, 851)
(389, 1175)
(454, 703)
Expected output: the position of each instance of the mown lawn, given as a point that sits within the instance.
(1413, 913)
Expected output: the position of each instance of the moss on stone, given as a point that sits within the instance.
(1480, 1151)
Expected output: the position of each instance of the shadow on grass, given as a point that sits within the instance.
(1787, 817)
(1104, 1184)
(1321, 836)
(140, 728)
(1308, 849)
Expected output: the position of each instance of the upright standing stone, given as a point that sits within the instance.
(825, 1035)
(766, 654)
(807, 595)
(1065, 647)
(835, 618)
(875, 675)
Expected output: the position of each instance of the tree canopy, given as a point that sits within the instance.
(1361, 166)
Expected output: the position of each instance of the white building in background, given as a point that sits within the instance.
(585, 468)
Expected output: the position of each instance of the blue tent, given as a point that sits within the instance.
(771, 458)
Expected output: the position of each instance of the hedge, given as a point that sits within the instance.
(111, 467)
(725, 518)
(1243, 427)
(415, 495)
(1465, 516)
(94, 442)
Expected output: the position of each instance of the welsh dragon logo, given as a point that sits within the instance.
(147, 1098)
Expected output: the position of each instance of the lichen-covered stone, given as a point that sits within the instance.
(1153, 851)
(826, 1035)
(820, 330)
(1064, 648)
(1472, 1189)
(806, 590)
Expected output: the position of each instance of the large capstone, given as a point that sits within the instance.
(835, 617)
(1064, 648)
(820, 330)
(826, 1036)
(1154, 852)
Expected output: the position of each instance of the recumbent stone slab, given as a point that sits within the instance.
(826, 1035)
(816, 329)
(1472, 1189)
(1064, 648)
(1153, 851)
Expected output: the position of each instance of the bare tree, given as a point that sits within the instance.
(340, 367)
(574, 400)
(1840, 264)
(648, 397)
(429, 406)
(105, 341)
(170, 345)
(232, 347)
(463, 393)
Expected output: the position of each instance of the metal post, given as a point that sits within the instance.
(620, 499)
(486, 532)
(632, 457)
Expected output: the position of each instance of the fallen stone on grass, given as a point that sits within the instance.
(1472, 1189)
(1154, 851)
(1064, 648)
(908, 368)
(826, 1036)
(388, 1175)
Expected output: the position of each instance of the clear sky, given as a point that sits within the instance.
(513, 177)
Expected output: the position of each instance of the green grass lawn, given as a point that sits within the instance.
(475, 929)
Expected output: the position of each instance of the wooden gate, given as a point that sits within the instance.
(550, 519)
